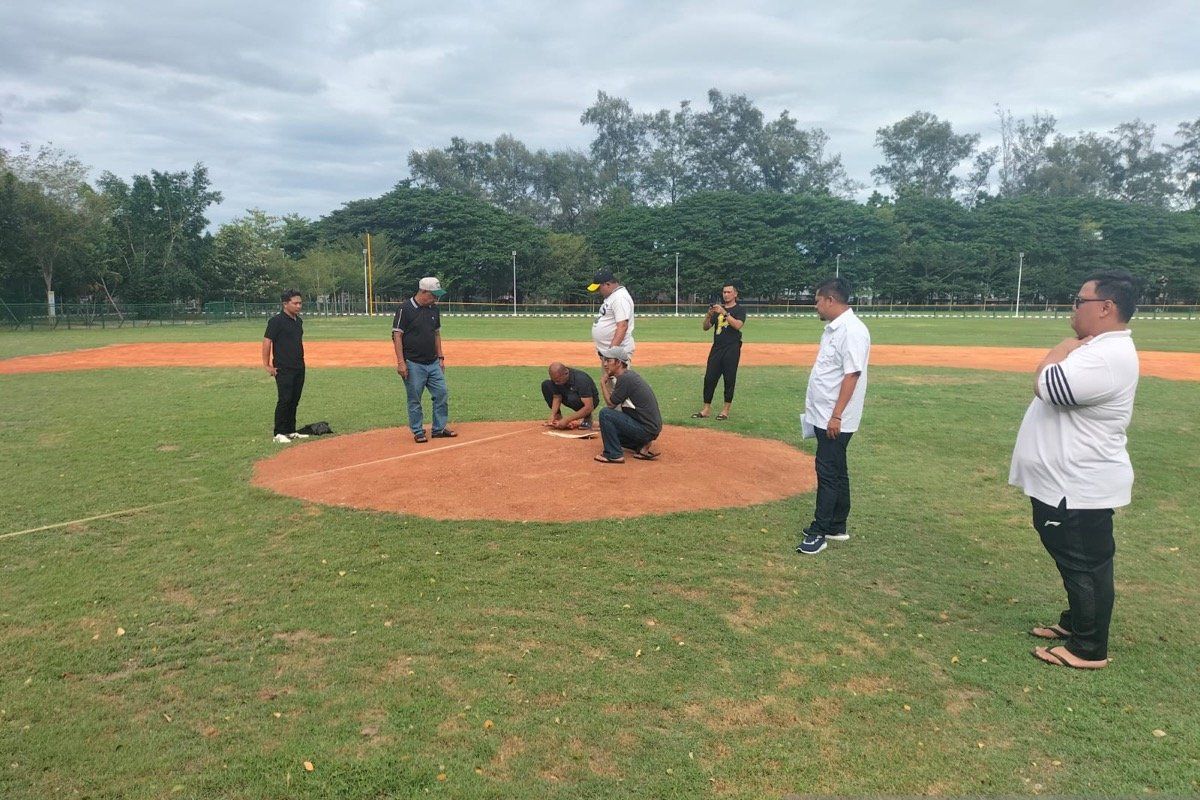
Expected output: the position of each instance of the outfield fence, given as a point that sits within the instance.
(69, 316)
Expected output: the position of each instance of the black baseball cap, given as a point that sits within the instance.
(603, 276)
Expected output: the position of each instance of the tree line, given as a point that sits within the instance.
(736, 195)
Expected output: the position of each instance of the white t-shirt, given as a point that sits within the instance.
(1072, 441)
(845, 348)
(617, 307)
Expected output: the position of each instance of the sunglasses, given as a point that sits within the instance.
(1078, 301)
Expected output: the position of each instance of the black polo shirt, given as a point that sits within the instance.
(287, 337)
(420, 325)
(578, 383)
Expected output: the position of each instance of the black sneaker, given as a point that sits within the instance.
(840, 536)
(420, 438)
(812, 544)
(444, 433)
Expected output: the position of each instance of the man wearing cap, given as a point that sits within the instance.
(574, 389)
(417, 338)
(614, 322)
(1070, 459)
(630, 418)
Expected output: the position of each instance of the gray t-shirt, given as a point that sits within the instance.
(635, 397)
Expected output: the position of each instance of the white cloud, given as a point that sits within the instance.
(302, 106)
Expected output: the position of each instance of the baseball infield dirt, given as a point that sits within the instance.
(486, 353)
(515, 471)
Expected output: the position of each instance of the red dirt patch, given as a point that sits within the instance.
(481, 353)
(514, 471)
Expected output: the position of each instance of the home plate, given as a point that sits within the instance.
(569, 435)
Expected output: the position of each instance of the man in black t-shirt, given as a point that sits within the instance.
(574, 389)
(726, 320)
(417, 339)
(283, 359)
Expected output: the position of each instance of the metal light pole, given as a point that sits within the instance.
(1020, 269)
(677, 284)
(514, 255)
(837, 270)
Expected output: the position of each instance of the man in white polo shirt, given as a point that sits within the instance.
(614, 322)
(1070, 459)
(833, 407)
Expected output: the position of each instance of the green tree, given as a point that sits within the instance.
(571, 263)
(620, 147)
(158, 244)
(246, 260)
(667, 174)
(1142, 172)
(1187, 162)
(44, 199)
(1023, 147)
(725, 142)
(465, 241)
(920, 155)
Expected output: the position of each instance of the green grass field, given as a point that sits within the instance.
(409, 658)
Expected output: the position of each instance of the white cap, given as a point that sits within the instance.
(619, 353)
(432, 285)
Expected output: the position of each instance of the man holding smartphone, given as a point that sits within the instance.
(726, 320)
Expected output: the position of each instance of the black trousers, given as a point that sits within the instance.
(571, 400)
(833, 484)
(289, 383)
(1082, 546)
(722, 363)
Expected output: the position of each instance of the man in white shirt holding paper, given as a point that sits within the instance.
(1070, 459)
(833, 407)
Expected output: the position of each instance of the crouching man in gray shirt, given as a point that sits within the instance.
(630, 418)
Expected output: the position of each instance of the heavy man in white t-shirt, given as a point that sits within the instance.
(614, 322)
(1070, 460)
(833, 407)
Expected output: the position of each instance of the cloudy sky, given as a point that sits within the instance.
(303, 105)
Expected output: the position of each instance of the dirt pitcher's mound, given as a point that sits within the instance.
(515, 471)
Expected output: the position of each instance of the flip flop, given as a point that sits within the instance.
(1051, 632)
(603, 459)
(698, 415)
(722, 416)
(1052, 656)
(646, 456)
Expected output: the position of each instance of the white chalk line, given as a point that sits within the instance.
(129, 511)
(122, 513)
(399, 457)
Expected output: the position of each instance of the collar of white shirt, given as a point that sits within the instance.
(841, 320)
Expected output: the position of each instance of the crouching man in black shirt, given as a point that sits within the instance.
(283, 359)
(574, 389)
(631, 417)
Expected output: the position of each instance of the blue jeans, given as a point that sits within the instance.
(620, 430)
(419, 377)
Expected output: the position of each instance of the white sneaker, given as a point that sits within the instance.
(297, 435)
(282, 439)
